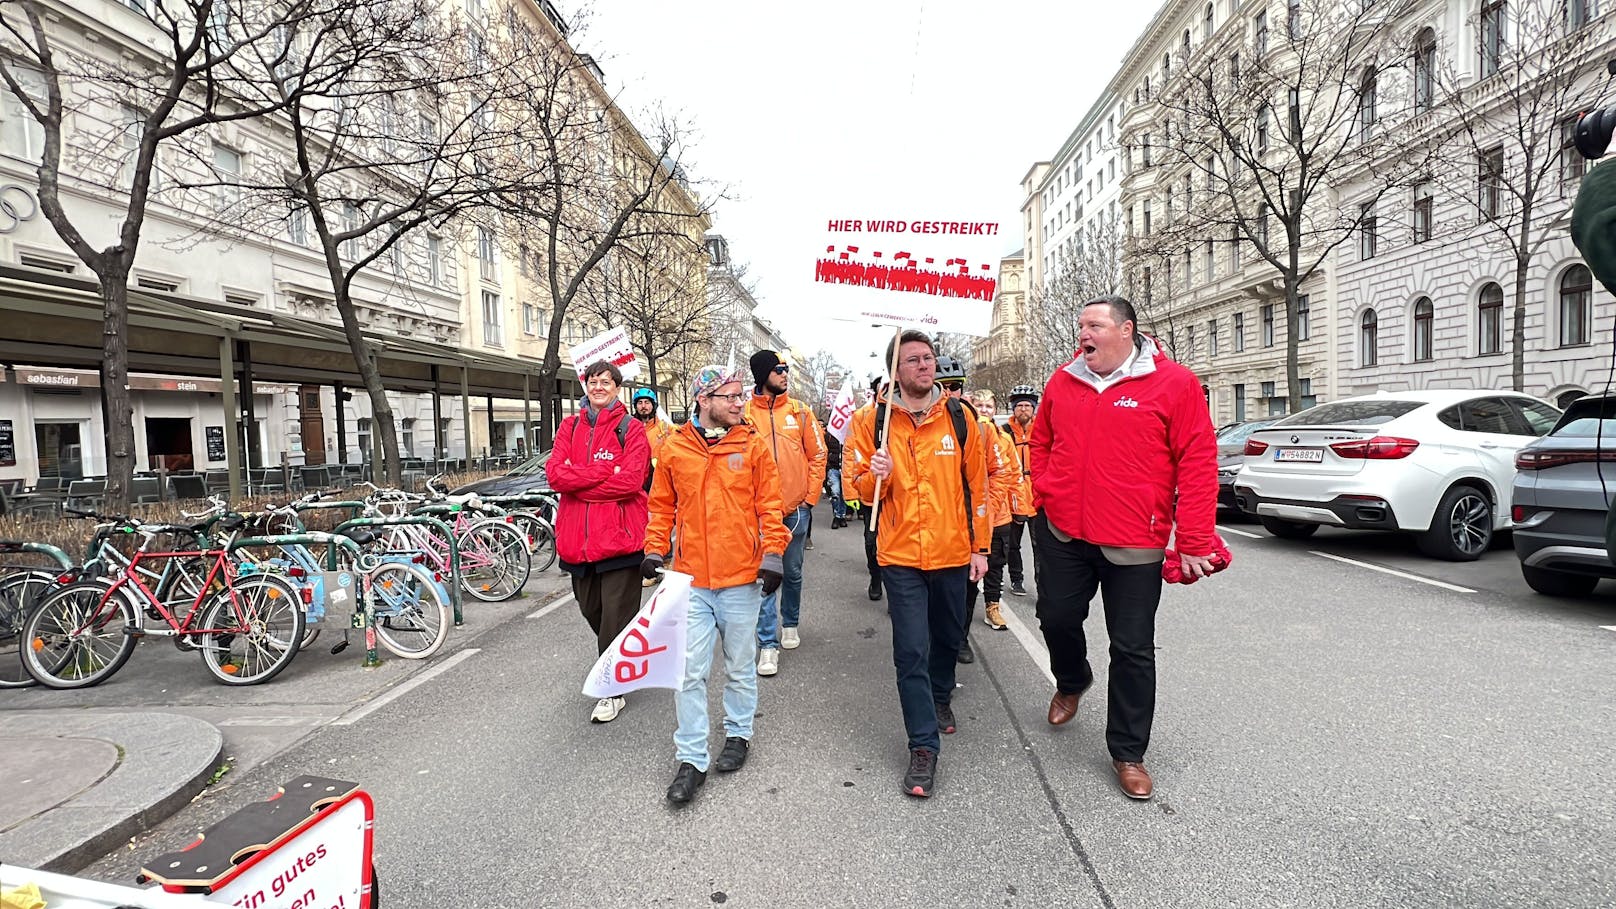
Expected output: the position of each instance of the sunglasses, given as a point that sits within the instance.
(782, 369)
(952, 385)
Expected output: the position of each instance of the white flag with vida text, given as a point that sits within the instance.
(650, 652)
(841, 413)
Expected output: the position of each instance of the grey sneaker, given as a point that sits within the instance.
(789, 639)
(768, 661)
(922, 775)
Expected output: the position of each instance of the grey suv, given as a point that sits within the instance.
(1564, 484)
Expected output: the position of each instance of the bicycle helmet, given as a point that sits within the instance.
(950, 370)
(1023, 393)
(645, 393)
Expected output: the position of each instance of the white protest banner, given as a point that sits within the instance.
(841, 413)
(326, 862)
(939, 274)
(650, 652)
(612, 346)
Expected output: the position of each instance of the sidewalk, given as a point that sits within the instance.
(77, 786)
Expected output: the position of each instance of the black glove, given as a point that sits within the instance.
(771, 580)
(649, 567)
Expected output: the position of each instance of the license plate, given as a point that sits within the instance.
(1310, 455)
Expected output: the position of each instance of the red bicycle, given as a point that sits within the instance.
(247, 628)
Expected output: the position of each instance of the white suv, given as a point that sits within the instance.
(1438, 463)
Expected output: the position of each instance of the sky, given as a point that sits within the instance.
(799, 110)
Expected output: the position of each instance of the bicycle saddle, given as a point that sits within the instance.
(361, 535)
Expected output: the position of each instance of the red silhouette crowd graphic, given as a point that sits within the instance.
(905, 273)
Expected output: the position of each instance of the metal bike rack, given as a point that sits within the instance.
(437, 525)
(333, 542)
(63, 561)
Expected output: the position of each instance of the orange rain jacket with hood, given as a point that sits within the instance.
(793, 435)
(721, 501)
(1021, 496)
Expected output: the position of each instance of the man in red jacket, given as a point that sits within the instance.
(1123, 455)
(599, 465)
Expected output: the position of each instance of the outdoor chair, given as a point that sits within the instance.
(146, 489)
(87, 494)
(189, 487)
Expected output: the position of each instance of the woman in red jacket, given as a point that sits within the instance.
(599, 465)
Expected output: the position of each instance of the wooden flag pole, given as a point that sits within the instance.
(886, 422)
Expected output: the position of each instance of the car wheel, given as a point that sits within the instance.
(1288, 530)
(1462, 528)
(1558, 583)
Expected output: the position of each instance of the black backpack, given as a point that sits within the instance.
(956, 413)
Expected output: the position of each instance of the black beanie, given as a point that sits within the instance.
(763, 363)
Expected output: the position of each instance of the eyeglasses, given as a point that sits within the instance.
(735, 398)
(602, 383)
(953, 385)
(916, 362)
(782, 369)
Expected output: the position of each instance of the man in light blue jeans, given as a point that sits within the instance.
(730, 613)
(788, 598)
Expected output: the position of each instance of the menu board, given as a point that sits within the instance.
(215, 435)
(8, 446)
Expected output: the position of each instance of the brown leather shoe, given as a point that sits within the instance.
(1062, 707)
(1135, 779)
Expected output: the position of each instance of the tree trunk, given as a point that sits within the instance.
(650, 367)
(547, 415)
(120, 426)
(381, 412)
(1293, 348)
(1517, 333)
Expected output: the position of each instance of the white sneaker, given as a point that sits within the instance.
(789, 639)
(768, 661)
(606, 710)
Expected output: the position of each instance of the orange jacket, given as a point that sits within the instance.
(657, 432)
(1004, 472)
(850, 491)
(792, 433)
(923, 522)
(1021, 496)
(721, 502)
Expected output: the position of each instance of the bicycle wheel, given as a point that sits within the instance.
(540, 538)
(254, 645)
(18, 594)
(75, 637)
(494, 563)
(412, 617)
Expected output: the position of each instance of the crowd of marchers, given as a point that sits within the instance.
(1111, 469)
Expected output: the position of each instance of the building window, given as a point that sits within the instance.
(227, 170)
(1267, 320)
(1293, 19)
(1490, 320)
(487, 254)
(362, 437)
(1577, 14)
(1368, 339)
(1239, 332)
(1259, 29)
(1424, 323)
(1304, 318)
(1490, 182)
(1425, 70)
(1240, 403)
(1262, 128)
(1368, 232)
(1308, 398)
(1146, 284)
(1144, 150)
(20, 133)
(1212, 337)
(297, 225)
(1576, 294)
(493, 333)
(1146, 209)
(434, 260)
(406, 442)
(1493, 13)
(1367, 115)
(1208, 260)
(1234, 249)
(530, 319)
(1422, 212)
(1206, 22)
(1572, 164)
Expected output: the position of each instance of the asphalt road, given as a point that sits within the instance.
(1327, 735)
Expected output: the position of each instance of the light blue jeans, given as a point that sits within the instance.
(784, 606)
(732, 614)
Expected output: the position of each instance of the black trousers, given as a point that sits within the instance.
(1068, 574)
(992, 584)
(609, 600)
(869, 546)
(1012, 546)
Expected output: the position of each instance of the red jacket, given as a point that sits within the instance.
(1106, 466)
(602, 515)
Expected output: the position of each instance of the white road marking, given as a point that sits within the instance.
(272, 721)
(364, 710)
(1034, 648)
(1240, 533)
(552, 607)
(1393, 572)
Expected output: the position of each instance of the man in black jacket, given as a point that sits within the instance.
(833, 482)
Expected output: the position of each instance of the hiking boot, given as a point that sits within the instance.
(1017, 589)
(945, 719)
(768, 661)
(965, 655)
(685, 783)
(733, 757)
(875, 588)
(606, 710)
(922, 773)
(993, 617)
(789, 639)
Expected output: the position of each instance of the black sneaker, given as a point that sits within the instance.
(733, 756)
(965, 655)
(922, 772)
(875, 588)
(1017, 589)
(685, 783)
(945, 719)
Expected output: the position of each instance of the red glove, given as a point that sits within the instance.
(1173, 570)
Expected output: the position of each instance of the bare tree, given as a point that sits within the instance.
(1257, 136)
(1507, 129)
(1092, 269)
(186, 73)
(823, 378)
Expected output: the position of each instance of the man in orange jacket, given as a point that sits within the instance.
(1023, 405)
(793, 436)
(717, 486)
(932, 537)
(1004, 475)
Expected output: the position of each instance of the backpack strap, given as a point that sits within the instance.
(622, 430)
